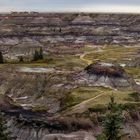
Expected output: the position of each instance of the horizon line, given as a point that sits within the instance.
(88, 12)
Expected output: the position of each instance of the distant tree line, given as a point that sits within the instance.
(38, 55)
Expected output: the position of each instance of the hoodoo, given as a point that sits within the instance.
(105, 74)
(105, 69)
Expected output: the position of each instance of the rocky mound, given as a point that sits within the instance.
(105, 69)
(104, 74)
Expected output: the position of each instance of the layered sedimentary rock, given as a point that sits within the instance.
(134, 62)
(104, 74)
(48, 30)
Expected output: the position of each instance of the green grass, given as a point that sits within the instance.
(84, 93)
(127, 100)
(98, 108)
(113, 53)
(133, 71)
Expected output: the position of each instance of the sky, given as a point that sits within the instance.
(119, 6)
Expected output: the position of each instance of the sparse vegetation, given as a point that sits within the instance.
(68, 49)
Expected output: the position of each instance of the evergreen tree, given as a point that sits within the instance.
(4, 133)
(41, 53)
(36, 56)
(60, 30)
(21, 59)
(1, 58)
(112, 122)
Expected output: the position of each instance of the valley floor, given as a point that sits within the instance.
(50, 85)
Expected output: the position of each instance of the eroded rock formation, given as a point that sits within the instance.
(47, 30)
(104, 74)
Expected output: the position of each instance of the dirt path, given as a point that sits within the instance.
(83, 106)
(82, 56)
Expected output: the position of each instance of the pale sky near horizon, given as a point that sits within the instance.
(122, 6)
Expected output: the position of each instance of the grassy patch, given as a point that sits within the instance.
(84, 93)
(69, 101)
(133, 71)
(81, 94)
(98, 108)
(112, 53)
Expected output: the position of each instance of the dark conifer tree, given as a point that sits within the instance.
(60, 30)
(41, 53)
(36, 55)
(21, 59)
(112, 123)
(1, 58)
